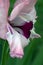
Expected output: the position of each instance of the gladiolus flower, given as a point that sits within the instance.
(18, 28)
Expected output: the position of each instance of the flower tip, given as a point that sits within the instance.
(19, 56)
(38, 36)
(17, 53)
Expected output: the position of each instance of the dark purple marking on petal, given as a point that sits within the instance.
(10, 30)
(26, 28)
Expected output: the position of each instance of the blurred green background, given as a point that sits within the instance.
(33, 53)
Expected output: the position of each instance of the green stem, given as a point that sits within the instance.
(3, 54)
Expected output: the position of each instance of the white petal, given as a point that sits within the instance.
(19, 42)
(34, 34)
(19, 38)
(9, 38)
(18, 21)
(24, 41)
(16, 49)
(16, 40)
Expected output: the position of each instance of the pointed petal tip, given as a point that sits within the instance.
(35, 36)
(38, 36)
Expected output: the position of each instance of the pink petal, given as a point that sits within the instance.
(28, 7)
(3, 21)
(21, 6)
(6, 4)
(15, 44)
(17, 52)
(16, 11)
(1, 3)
